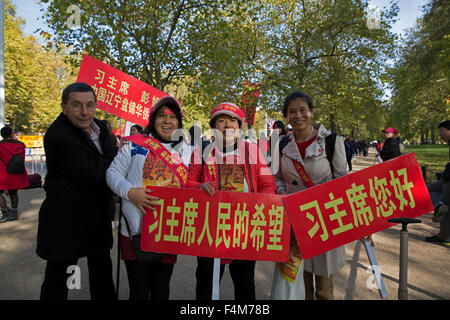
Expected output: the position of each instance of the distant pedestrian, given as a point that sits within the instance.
(440, 195)
(401, 145)
(390, 149)
(135, 129)
(11, 182)
(74, 219)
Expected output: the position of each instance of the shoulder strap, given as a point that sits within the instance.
(283, 143)
(330, 142)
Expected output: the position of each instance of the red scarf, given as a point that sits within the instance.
(153, 145)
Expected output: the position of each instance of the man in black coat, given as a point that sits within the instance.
(390, 148)
(74, 219)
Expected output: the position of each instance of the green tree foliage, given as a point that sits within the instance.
(421, 76)
(211, 48)
(34, 78)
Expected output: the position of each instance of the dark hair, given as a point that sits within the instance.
(151, 123)
(279, 124)
(445, 124)
(6, 132)
(76, 87)
(137, 127)
(293, 96)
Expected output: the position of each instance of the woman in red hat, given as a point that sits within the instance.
(390, 149)
(142, 162)
(221, 167)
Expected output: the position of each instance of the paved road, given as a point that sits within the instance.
(21, 270)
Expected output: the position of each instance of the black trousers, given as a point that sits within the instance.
(101, 285)
(151, 278)
(242, 273)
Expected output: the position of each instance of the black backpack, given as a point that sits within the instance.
(16, 164)
(330, 142)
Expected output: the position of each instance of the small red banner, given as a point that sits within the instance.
(117, 92)
(343, 210)
(228, 225)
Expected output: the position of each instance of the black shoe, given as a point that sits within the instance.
(5, 215)
(440, 213)
(436, 239)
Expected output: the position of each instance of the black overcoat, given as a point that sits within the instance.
(74, 219)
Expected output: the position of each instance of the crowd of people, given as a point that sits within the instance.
(87, 170)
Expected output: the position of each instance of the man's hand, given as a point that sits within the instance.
(141, 198)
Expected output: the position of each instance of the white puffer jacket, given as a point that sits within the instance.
(125, 172)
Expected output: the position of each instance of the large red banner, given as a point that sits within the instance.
(332, 214)
(118, 93)
(228, 225)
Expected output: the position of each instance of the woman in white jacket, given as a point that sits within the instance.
(137, 165)
(304, 155)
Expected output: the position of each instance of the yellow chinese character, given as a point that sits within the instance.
(112, 82)
(357, 196)
(337, 215)
(172, 222)
(399, 188)
(205, 228)
(117, 99)
(258, 221)
(138, 110)
(241, 219)
(380, 193)
(157, 223)
(100, 76)
(276, 228)
(101, 94)
(154, 100)
(182, 171)
(145, 114)
(124, 105)
(132, 107)
(188, 227)
(109, 98)
(145, 98)
(222, 225)
(312, 232)
(124, 87)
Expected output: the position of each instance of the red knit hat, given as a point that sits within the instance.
(388, 130)
(229, 109)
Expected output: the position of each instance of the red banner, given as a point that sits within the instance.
(343, 210)
(118, 93)
(228, 225)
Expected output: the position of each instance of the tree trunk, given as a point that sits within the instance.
(333, 127)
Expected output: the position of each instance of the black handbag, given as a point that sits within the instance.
(142, 256)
